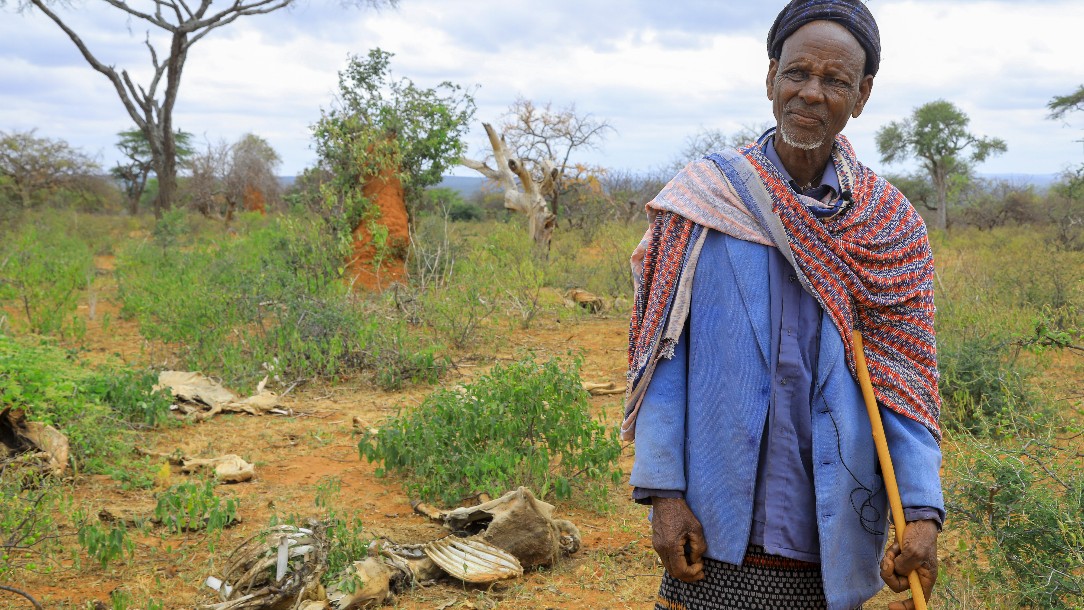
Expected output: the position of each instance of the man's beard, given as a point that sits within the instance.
(800, 139)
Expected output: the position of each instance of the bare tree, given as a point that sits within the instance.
(531, 200)
(251, 180)
(710, 140)
(226, 177)
(541, 133)
(205, 189)
(627, 192)
(150, 104)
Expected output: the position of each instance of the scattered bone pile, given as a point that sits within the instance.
(496, 540)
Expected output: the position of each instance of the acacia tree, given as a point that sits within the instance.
(31, 168)
(1064, 104)
(541, 134)
(1068, 218)
(936, 134)
(150, 104)
(134, 171)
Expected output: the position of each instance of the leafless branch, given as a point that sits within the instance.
(28, 597)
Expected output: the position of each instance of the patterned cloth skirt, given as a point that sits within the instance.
(762, 582)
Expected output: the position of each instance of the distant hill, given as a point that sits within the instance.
(467, 186)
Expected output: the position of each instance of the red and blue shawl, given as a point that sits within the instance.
(870, 267)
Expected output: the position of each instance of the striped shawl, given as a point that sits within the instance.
(870, 268)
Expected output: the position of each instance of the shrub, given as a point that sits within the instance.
(346, 544)
(985, 389)
(599, 265)
(194, 506)
(130, 393)
(28, 502)
(96, 409)
(1023, 503)
(507, 264)
(456, 312)
(42, 274)
(104, 543)
(526, 423)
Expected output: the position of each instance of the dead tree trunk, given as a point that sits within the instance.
(531, 200)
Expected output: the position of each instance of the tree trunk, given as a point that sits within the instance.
(531, 200)
(541, 224)
(940, 183)
(136, 190)
(166, 168)
(167, 177)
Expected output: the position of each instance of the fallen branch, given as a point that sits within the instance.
(28, 597)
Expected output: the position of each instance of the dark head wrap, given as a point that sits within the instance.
(851, 14)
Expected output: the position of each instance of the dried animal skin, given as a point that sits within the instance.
(202, 398)
(18, 436)
(520, 524)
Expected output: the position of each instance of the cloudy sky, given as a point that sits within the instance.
(657, 71)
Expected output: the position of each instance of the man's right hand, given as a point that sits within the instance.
(674, 529)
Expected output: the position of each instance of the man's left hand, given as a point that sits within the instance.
(919, 554)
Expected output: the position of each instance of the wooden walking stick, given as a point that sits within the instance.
(885, 459)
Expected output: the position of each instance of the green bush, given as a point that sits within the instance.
(28, 531)
(600, 264)
(98, 410)
(344, 531)
(1022, 501)
(194, 506)
(526, 423)
(995, 297)
(129, 393)
(985, 389)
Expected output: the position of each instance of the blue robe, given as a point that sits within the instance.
(700, 427)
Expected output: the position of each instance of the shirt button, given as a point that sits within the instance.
(783, 381)
(792, 279)
(790, 332)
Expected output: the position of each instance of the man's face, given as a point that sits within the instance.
(817, 84)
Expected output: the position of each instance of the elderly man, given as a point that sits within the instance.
(753, 445)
